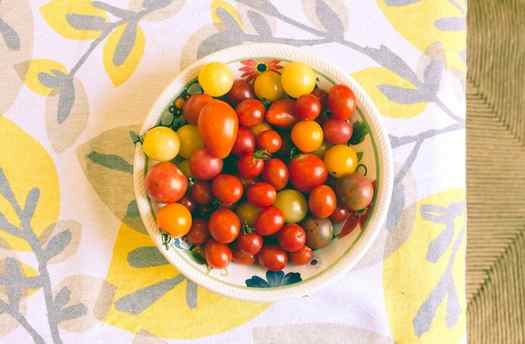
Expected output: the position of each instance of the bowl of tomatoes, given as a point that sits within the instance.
(263, 172)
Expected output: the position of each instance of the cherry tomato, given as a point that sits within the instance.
(224, 225)
(307, 136)
(201, 193)
(355, 191)
(319, 232)
(268, 86)
(261, 195)
(281, 113)
(298, 79)
(275, 172)
(259, 128)
(273, 258)
(270, 141)
(250, 243)
(174, 219)
(308, 107)
(161, 144)
(269, 221)
(247, 213)
(198, 233)
(165, 183)
(301, 257)
(322, 201)
(293, 205)
(306, 172)
(249, 166)
(245, 142)
(292, 238)
(227, 188)
(244, 258)
(218, 125)
(251, 112)
(240, 91)
(339, 215)
(193, 106)
(322, 95)
(341, 102)
(188, 203)
(217, 255)
(337, 131)
(340, 160)
(190, 140)
(216, 79)
(205, 166)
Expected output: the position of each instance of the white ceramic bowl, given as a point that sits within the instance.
(330, 262)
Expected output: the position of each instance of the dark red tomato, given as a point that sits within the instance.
(322, 201)
(217, 255)
(270, 141)
(275, 172)
(166, 183)
(224, 225)
(250, 243)
(273, 258)
(205, 166)
(245, 142)
(198, 233)
(249, 166)
(241, 90)
(261, 195)
(322, 95)
(227, 189)
(341, 102)
(307, 107)
(201, 193)
(292, 238)
(281, 113)
(188, 203)
(269, 221)
(193, 106)
(244, 258)
(250, 112)
(337, 131)
(306, 172)
(302, 257)
(339, 215)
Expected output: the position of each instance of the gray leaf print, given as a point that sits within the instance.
(57, 244)
(125, 44)
(265, 6)
(111, 161)
(260, 24)
(396, 206)
(400, 2)
(453, 306)
(30, 206)
(5, 189)
(329, 19)
(72, 312)
(62, 297)
(15, 278)
(156, 4)
(86, 22)
(191, 294)
(220, 40)
(117, 12)
(403, 95)
(48, 80)
(390, 60)
(427, 312)
(11, 38)
(147, 256)
(66, 99)
(451, 24)
(229, 22)
(432, 76)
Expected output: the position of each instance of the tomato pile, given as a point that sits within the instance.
(257, 173)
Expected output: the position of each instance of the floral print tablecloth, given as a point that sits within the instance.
(77, 76)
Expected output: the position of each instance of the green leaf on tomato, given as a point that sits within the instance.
(360, 130)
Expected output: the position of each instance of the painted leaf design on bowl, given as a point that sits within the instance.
(273, 279)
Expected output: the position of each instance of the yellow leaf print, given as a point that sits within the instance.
(161, 301)
(433, 309)
(228, 8)
(26, 165)
(77, 19)
(123, 51)
(36, 73)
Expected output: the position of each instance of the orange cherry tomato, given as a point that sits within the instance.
(322, 201)
(218, 126)
(281, 113)
(193, 106)
(307, 136)
(270, 141)
(175, 219)
(217, 255)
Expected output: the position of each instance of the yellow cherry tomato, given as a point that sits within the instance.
(259, 128)
(298, 79)
(190, 140)
(248, 213)
(216, 79)
(307, 136)
(340, 160)
(184, 167)
(268, 86)
(292, 204)
(174, 219)
(161, 143)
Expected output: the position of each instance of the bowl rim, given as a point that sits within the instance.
(382, 201)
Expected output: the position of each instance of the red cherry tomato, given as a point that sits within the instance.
(224, 225)
(281, 113)
(166, 183)
(341, 102)
(201, 193)
(261, 195)
(269, 221)
(337, 131)
(250, 112)
(308, 107)
(217, 255)
(244, 258)
(322, 201)
(198, 233)
(301, 257)
(250, 167)
(292, 238)
(273, 258)
(227, 188)
(250, 243)
(241, 90)
(193, 106)
(275, 172)
(205, 166)
(270, 141)
(218, 125)
(306, 172)
(188, 203)
(245, 142)
(339, 215)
